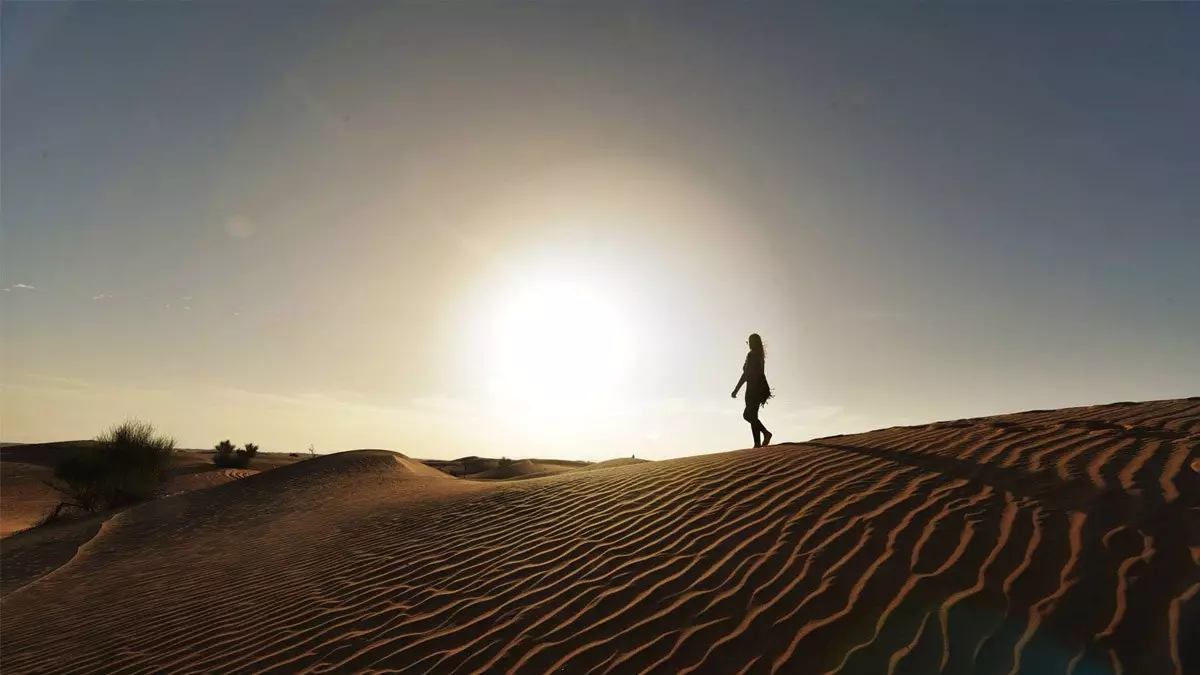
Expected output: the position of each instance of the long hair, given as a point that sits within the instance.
(761, 389)
(756, 345)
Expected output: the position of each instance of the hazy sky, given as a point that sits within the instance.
(547, 230)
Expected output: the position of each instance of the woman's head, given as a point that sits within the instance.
(755, 342)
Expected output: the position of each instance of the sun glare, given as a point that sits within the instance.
(559, 346)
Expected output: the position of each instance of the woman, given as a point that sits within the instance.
(757, 389)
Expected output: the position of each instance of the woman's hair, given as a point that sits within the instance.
(756, 344)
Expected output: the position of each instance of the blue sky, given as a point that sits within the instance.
(293, 222)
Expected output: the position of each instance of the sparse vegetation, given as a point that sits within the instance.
(130, 465)
(230, 456)
(504, 461)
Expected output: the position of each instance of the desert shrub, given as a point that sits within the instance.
(230, 456)
(504, 461)
(130, 464)
(225, 456)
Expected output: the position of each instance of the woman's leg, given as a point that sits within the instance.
(751, 416)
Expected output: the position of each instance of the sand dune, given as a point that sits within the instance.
(620, 461)
(24, 496)
(525, 468)
(25, 469)
(1042, 542)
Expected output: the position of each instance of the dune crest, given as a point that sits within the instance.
(1060, 541)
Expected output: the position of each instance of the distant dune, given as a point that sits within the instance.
(487, 468)
(1062, 541)
(621, 461)
(41, 454)
(525, 468)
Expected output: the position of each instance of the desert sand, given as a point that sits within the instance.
(1063, 541)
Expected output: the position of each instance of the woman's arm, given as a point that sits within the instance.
(739, 386)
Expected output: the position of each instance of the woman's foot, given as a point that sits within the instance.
(766, 438)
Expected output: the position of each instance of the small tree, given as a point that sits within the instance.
(130, 464)
(225, 456)
(245, 454)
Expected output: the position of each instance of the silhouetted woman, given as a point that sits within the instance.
(754, 376)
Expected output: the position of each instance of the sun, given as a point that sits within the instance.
(560, 347)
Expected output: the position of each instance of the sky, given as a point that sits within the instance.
(546, 230)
